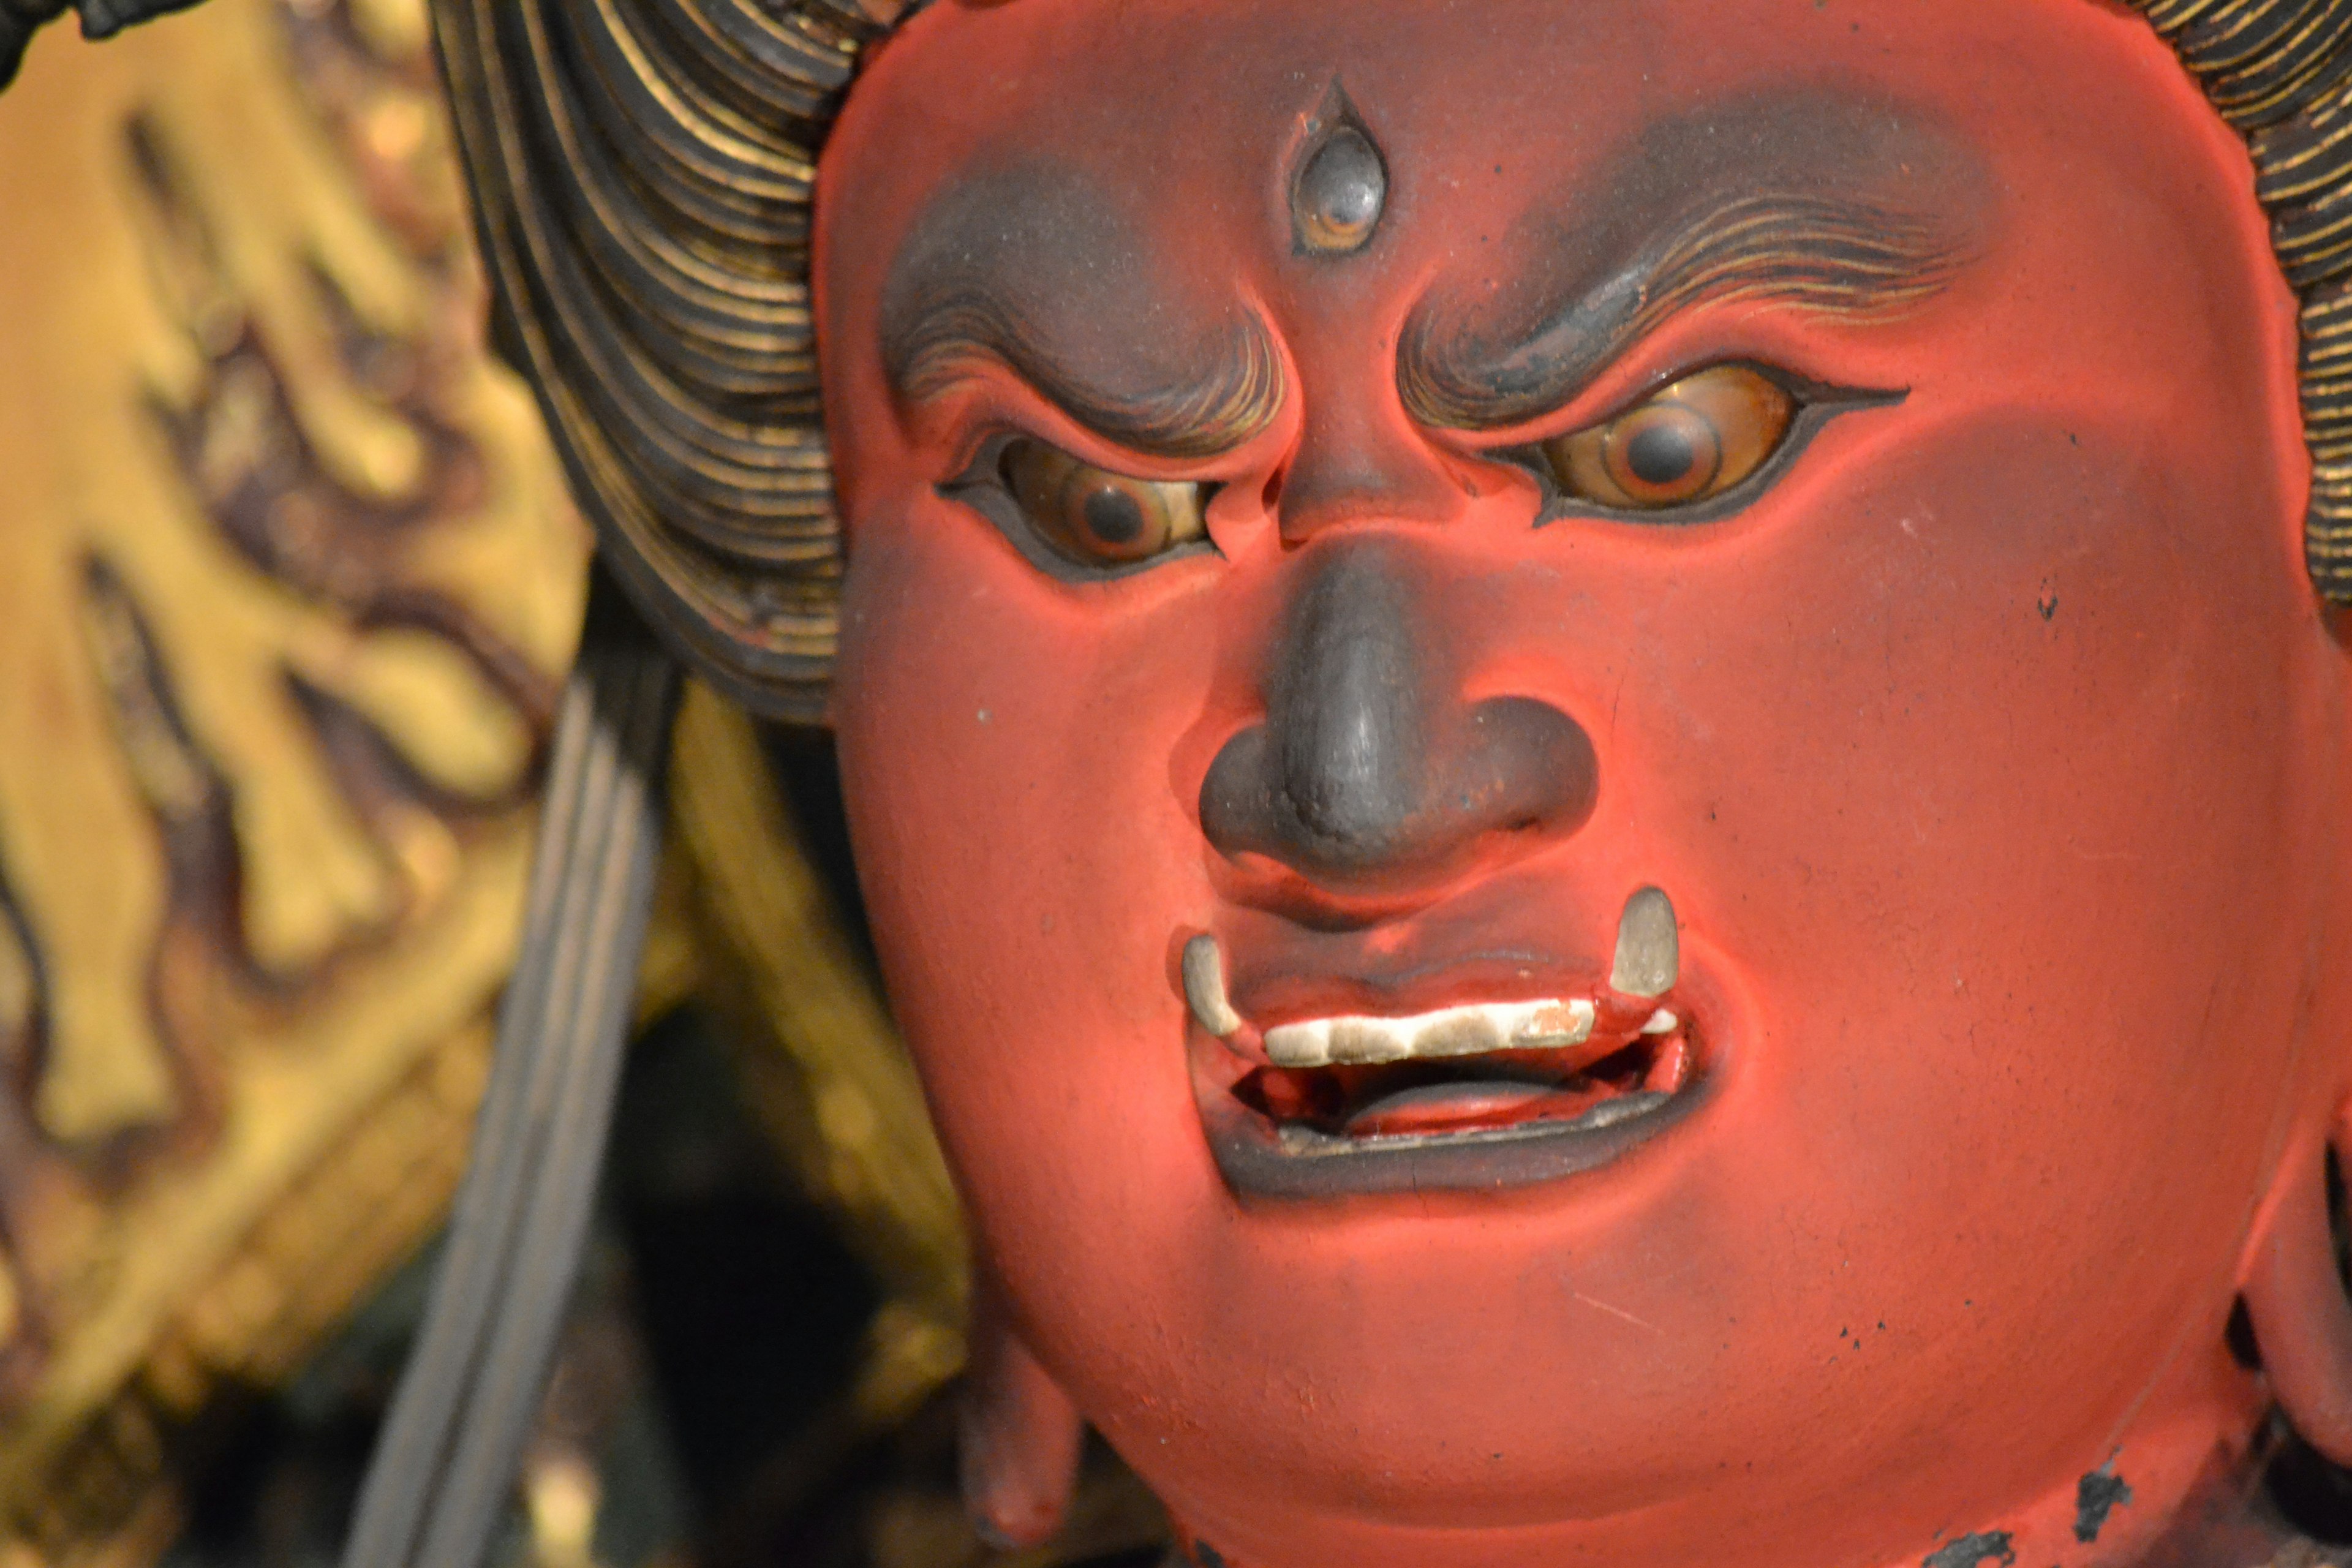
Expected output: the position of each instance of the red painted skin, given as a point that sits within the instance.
(1992, 758)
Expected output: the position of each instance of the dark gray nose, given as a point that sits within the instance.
(1370, 767)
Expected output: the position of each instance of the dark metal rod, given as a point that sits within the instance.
(446, 1463)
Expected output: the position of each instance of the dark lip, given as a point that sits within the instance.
(1263, 1160)
(1255, 1166)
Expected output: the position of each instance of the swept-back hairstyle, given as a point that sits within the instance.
(643, 169)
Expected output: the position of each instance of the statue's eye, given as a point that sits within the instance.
(1098, 518)
(1685, 443)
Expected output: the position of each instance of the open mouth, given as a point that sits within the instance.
(1478, 1094)
(1601, 1073)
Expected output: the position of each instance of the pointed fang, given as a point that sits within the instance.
(1649, 953)
(1205, 987)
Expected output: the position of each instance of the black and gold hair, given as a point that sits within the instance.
(644, 171)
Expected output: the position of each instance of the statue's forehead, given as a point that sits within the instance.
(1204, 102)
(1221, 87)
(1192, 119)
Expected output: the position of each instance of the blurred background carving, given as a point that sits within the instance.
(288, 582)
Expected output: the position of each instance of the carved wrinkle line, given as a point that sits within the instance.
(968, 333)
(1814, 255)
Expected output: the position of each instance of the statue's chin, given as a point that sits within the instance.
(2189, 1494)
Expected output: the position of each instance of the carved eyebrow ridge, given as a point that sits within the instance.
(1821, 254)
(961, 333)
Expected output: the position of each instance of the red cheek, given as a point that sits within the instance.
(2001, 856)
(1930, 760)
(1012, 803)
(1940, 687)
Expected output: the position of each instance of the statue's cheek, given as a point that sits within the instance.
(1996, 751)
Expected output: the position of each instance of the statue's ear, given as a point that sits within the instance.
(1020, 1436)
(2294, 1294)
(99, 19)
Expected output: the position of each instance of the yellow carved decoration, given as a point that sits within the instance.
(203, 257)
(287, 582)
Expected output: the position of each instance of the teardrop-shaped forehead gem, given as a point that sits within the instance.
(1340, 194)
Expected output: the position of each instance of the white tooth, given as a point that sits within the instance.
(1300, 1044)
(1367, 1040)
(1456, 1032)
(1662, 1022)
(1466, 1031)
(1649, 953)
(1547, 1025)
(1204, 986)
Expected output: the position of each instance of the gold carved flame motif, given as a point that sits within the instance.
(287, 584)
(290, 575)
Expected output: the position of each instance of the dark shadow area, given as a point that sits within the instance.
(807, 773)
(2310, 1493)
(753, 1311)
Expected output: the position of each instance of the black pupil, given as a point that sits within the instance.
(1662, 453)
(1112, 515)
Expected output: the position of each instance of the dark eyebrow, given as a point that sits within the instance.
(1034, 269)
(1821, 200)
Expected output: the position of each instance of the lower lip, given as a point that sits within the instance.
(1461, 1138)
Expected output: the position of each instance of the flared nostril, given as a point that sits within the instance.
(1237, 807)
(1523, 764)
(1369, 767)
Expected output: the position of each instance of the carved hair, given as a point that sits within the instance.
(642, 170)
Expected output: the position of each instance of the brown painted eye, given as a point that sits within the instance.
(1098, 518)
(1685, 443)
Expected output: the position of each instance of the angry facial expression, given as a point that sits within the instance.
(1585, 741)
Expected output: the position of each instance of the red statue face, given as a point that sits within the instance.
(1702, 602)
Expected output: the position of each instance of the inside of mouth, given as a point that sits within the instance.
(1497, 1089)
